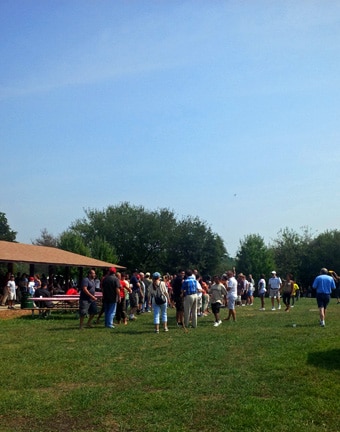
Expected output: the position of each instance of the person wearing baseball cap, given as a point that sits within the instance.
(111, 295)
(275, 284)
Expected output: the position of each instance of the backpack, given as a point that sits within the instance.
(160, 298)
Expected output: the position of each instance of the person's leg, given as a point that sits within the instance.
(194, 310)
(110, 313)
(92, 312)
(101, 313)
(156, 316)
(272, 300)
(164, 313)
(187, 305)
(278, 300)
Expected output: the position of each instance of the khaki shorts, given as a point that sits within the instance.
(274, 293)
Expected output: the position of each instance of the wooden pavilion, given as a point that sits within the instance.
(11, 253)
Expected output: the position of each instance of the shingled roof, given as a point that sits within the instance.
(18, 252)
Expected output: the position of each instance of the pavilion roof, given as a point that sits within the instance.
(32, 254)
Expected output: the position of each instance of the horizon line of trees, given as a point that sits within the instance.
(157, 240)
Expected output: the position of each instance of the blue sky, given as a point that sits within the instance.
(225, 110)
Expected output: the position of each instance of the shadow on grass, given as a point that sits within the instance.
(325, 359)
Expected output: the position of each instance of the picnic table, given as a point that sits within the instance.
(61, 302)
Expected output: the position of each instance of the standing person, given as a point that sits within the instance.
(157, 289)
(218, 293)
(262, 290)
(11, 289)
(205, 297)
(242, 285)
(337, 284)
(87, 299)
(141, 277)
(135, 295)
(189, 290)
(121, 306)
(102, 309)
(147, 283)
(275, 285)
(231, 295)
(111, 296)
(323, 284)
(250, 291)
(178, 297)
(287, 291)
(4, 295)
(31, 286)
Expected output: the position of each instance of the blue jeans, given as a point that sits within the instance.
(159, 311)
(110, 312)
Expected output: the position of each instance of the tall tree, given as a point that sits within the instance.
(152, 240)
(290, 251)
(73, 242)
(322, 251)
(254, 257)
(6, 233)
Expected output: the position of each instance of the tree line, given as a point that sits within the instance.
(136, 237)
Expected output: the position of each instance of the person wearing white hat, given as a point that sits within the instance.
(275, 284)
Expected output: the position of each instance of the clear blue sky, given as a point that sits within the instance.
(225, 110)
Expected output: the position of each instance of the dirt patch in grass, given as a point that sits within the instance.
(12, 314)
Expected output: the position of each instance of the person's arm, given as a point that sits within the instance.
(118, 292)
(165, 291)
(87, 292)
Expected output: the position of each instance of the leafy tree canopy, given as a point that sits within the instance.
(152, 240)
(254, 257)
(6, 233)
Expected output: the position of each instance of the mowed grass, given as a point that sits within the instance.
(257, 374)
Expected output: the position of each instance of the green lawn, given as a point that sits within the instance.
(258, 374)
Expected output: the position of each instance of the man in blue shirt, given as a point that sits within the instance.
(323, 284)
(189, 291)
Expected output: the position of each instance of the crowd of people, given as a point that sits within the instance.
(193, 296)
(125, 297)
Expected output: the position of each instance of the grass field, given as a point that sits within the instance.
(258, 374)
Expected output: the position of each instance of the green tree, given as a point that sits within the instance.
(322, 251)
(152, 240)
(291, 252)
(102, 250)
(73, 242)
(254, 257)
(6, 233)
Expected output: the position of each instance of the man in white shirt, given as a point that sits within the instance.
(231, 295)
(275, 285)
(11, 286)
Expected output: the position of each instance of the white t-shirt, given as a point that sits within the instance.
(31, 287)
(262, 286)
(11, 286)
(232, 287)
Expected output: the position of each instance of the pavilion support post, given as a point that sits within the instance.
(32, 270)
(67, 277)
(80, 275)
(10, 268)
(50, 274)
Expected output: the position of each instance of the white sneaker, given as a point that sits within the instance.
(262, 309)
(219, 322)
(273, 308)
(215, 324)
(322, 323)
(279, 306)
